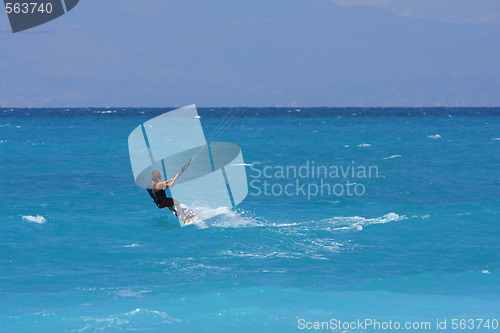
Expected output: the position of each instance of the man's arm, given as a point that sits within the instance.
(161, 185)
(171, 182)
(166, 184)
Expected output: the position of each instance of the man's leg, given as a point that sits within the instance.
(180, 211)
(172, 209)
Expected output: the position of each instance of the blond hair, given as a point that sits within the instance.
(156, 176)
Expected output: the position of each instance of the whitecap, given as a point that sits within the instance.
(203, 267)
(36, 219)
(435, 136)
(495, 139)
(285, 224)
(393, 156)
(364, 145)
(118, 322)
(485, 271)
(132, 245)
(255, 255)
(197, 117)
(4, 141)
(226, 218)
(358, 222)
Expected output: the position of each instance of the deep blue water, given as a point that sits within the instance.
(82, 248)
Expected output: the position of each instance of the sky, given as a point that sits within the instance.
(288, 53)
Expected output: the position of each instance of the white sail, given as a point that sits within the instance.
(217, 176)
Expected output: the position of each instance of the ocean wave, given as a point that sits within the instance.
(328, 245)
(126, 320)
(301, 242)
(36, 219)
(263, 254)
(365, 145)
(132, 245)
(495, 139)
(389, 157)
(212, 269)
(131, 292)
(106, 111)
(435, 136)
(227, 218)
(358, 222)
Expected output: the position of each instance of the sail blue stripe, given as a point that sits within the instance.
(228, 187)
(147, 143)
(211, 158)
(169, 194)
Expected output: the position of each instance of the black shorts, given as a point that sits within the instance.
(168, 202)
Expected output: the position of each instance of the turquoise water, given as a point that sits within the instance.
(84, 249)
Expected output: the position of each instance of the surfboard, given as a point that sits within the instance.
(191, 216)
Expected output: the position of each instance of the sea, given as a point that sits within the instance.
(356, 220)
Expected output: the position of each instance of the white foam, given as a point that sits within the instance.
(495, 139)
(107, 111)
(267, 255)
(435, 136)
(4, 141)
(36, 219)
(393, 156)
(132, 245)
(202, 267)
(358, 222)
(485, 271)
(117, 322)
(197, 117)
(202, 210)
(131, 292)
(227, 218)
(364, 145)
(328, 245)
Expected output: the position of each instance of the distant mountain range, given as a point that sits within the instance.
(257, 53)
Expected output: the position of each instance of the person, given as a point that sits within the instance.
(157, 192)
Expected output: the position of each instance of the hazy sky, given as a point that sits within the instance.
(256, 53)
(473, 11)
